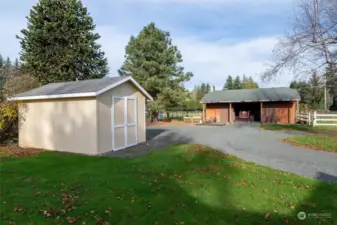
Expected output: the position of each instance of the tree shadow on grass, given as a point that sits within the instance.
(184, 184)
(220, 192)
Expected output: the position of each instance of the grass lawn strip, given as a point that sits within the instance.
(317, 142)
(298, 127)
(182, 184)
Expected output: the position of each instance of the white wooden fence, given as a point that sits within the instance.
(324, 119)
(317, 119)
(304, 118)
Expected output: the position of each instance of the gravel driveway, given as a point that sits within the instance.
(248, 142)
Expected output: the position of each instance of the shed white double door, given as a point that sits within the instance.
(124, 122)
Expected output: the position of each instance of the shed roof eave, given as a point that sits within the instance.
(45, 97)
(87, 94)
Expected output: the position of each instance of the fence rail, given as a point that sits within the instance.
(317, 119)
(304, 118)
(330, 121)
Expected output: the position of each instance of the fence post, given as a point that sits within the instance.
(314, 120)
(309, 118)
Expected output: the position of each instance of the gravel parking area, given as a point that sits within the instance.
(246, 141)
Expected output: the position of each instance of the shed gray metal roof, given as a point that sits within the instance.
(83, 88)
(252, 95)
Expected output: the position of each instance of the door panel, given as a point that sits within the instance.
(131, 122)
(132, 135)
(119, 137)
(131, 111)
(124, 124)
(119, 112)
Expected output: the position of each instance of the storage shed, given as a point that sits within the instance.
(90, 117)
(264, 104)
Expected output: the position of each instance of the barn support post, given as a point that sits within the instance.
(261, 112)
(289, 112)
(230, 113)
(203, 117)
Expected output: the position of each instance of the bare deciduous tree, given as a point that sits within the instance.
(311, 45)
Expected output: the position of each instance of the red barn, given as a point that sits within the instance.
(265, 105)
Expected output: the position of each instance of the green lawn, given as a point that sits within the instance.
(319, 142)
(298, 127)
(183, 184)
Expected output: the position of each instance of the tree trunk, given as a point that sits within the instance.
(334, 104)
(154, 117)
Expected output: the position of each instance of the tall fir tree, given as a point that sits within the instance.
(229, 83)
(237, 83)
(155, 63)
(1, 61)
(317, 91)
(202, 91)
(8, 69)
(208, 88)
(17, 67)
(331, 82)
(303, 89)
(59, 43)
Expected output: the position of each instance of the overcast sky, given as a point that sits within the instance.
(216, 37)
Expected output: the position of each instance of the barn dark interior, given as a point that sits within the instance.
(252, 107)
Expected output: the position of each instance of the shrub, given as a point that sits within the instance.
(8, 121)
(9, 116)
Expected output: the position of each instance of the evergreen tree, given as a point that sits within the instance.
(17, 67)
(59, 43)
(8, 65)
(248, 83)
(331, 77)
(317, 91)
(208, 88)
(1, 61)
(229, 83)
(213, 88)
(303, 89)
(155, 63)
(237, 83)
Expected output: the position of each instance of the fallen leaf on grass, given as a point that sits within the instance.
(71, 220)
(99, 220)
(19, 209)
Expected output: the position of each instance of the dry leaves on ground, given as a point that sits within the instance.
(16, 151)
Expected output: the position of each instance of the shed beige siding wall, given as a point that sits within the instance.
(61, 124)
(104, 104)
